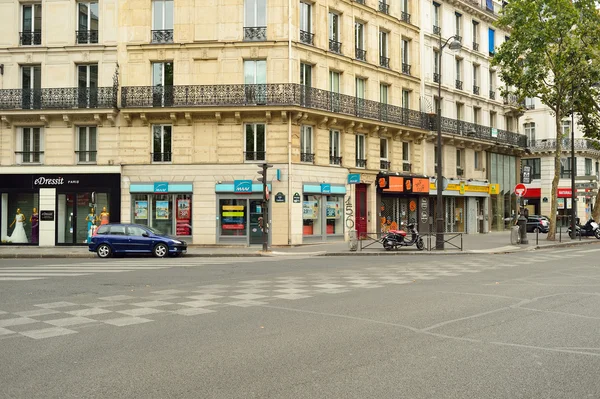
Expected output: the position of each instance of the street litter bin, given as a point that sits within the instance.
(352, 240)
(515, 237)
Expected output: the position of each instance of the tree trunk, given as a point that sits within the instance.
(596, 213)
(553, 198)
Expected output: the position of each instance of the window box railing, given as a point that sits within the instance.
(335, 47)
(384, 7)
(307, 37)
(361, 54)
(30, 38)
(30, 157)
(475, 89)
(492, 94)
(307, 157)
(161, 157)
(361, 163)
(384, 61)
(475, 46)
(459, 171)
(86, 156)
(406, 69)
(335, 160)
(436, 77)
(406, 166)
(384, 164)
(86, 36)
(255, 33)
(58, 98)
(405, 17)
(162, 36)
(459, 84)
(254, 155)
(437, 30)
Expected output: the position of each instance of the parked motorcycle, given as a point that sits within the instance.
(398, 238)
(590, 229)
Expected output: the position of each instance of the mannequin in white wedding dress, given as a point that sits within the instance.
(18, 235)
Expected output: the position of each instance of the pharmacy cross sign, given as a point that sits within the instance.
(520, 189)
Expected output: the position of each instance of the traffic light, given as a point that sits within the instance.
(263, 173)
(263, 178)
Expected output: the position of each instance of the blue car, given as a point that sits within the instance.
(134, 239)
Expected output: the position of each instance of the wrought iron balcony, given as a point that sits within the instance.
(29, 157)
(384, 164)
(254, 155)
(475, 89)
(459, 84)
(30, 38)
(361, 163)
(335, 160)
(549, 145)
(384, 61)
(384, 8)
(335, 47)
(459, 171)
(406, 166)
(58, 98)
(405, 17)
(86, 156)
(479, 132)
(361, 54)
(406, 69)
(475, 46)
(436, 77)
(255, 33)
(162, 36)
(161, 157)
(492, 94)
(511, 99)
(307, 37)
(437, 30)
(86, 36)
(307, 157)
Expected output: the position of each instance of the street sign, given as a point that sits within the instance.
(520, 189)
(588, 185)
(526, 176)
(589, 178)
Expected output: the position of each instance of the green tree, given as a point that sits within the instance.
(552, 52)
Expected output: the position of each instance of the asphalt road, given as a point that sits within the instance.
(475, 326)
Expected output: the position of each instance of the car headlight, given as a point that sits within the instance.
(176, 242)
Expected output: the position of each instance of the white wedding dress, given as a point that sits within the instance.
(18, 235)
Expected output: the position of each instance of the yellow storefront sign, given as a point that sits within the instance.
(233, 207)
(462, 188)
(494, 189)
(239, 214)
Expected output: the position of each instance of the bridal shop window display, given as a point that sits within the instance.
(19, 218)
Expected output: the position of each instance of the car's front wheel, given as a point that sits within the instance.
(160, 250)
(104, 251)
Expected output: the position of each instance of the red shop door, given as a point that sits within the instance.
(361, 210)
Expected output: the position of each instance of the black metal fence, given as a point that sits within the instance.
(58, 98)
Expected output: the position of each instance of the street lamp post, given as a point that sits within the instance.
(573, 172)
(439, 227)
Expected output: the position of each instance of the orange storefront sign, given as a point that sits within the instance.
(396, 185)
(420, 185)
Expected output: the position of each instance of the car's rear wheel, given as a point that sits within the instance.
(597, 233)
(160, 250)
(104, 251)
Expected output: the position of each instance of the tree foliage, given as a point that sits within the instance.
(553, 54)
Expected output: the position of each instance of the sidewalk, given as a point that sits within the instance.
(496, 242)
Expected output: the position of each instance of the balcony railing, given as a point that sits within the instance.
(405, 17)
(361, 54)
(384, 61)
(479, 132)
(29, 157)
(86, 156)
(549, 145)
(475, 89)
(254, 155)
(459, 171)
(307, 157)
(290, 94)
(86, 36)
(162, 36)
(436, 77)
(406, 166)
(335, 47)
(30, 38)
(475, 46)
(255, 33)
(437, 30)
(511, 99)
(335, 160)
(58, 98)
(492, 94)
(384, 8)
(459, 84)
(161, 157)
(361, 163)
(384, 164)
(406, 69)
(307, 37)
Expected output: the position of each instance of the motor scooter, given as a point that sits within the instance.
(397, 238)
(590, 229)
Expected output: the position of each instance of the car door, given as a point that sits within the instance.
(137, 241)
(118, 238)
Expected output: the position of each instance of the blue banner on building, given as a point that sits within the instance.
(354, 178)
(161, 187)
(325, 188)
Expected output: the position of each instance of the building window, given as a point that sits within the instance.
(475, 79)
(384, 6)
(255, 79)
(161, 143)
(459, 163)
(334, 88)
(566, 127)
(306, 35)
(477, 160)
(383, 155)
(360, 95)
(491, 41)
(597, 170)
(459, 81)
(31, 24)
(565, 167)
(334, 148)
(334, 33)
(458, 26)
(87, 86)
(86, 144)
(406, 166)
(476, 115)
(88, 23)
(306, 144)
(384, 61)
(492, 79)
(361, 161)
(162, 80)
(255, 142)
(530, 132)
(359, 41)
(436, 66)
(508, 122)
(459, 111)
(436, 19)
(588, 167)
(31, 84)
(529, 103)
(255, 20)
(475, 32)
(493, 119)
(405, 12)
(30, 146)
(405, 99)
(162, 21)
(405, 49)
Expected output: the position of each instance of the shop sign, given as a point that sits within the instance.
(141, 210)
(563, 192)
(354, 178)
(183, 225)
(395, 184)
(162, 210)
(545, 199)
(424, 216)
(333, 210)
(420, 185)
(242, 186)
(494, 132)
(161, 187)
(325, 188)
(296, 198)
(494, 189)
(461, 188)
(47, 216)
(44, 181)
(279, 197)
(310, 209)
(560, 203)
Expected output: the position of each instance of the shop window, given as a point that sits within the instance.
(86, 144)
(233, 216)
(30, 144)
(20, 218)
(333, 212)
(170, 214)
(161, 143)
(311, 215)
(255, 143)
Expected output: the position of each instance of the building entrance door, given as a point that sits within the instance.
(255, 219)
(361, 210)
